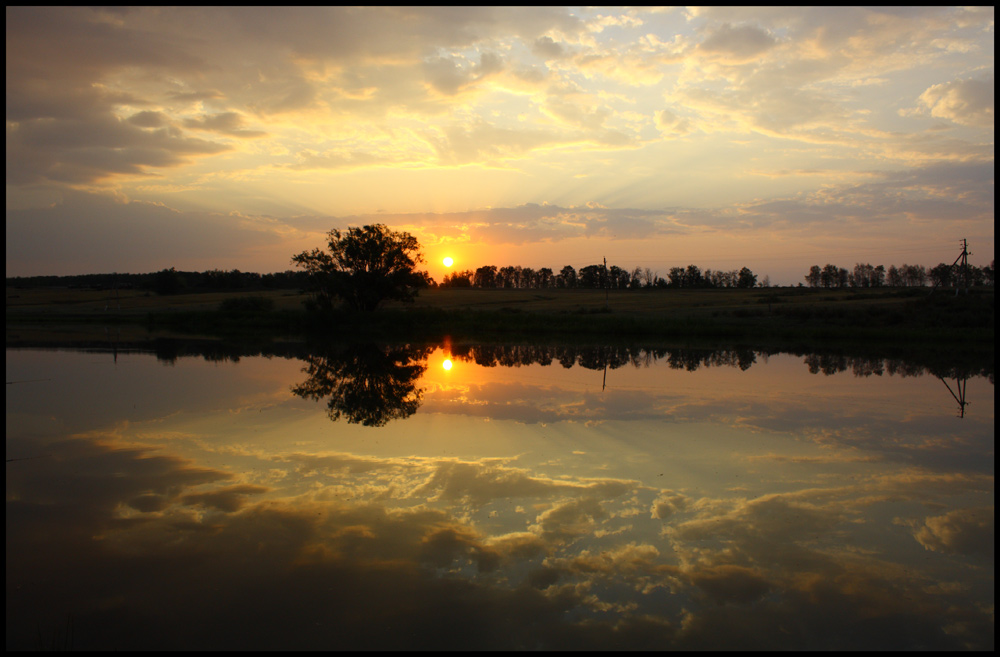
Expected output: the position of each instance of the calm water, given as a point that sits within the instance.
(524, 498)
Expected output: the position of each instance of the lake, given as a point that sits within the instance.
(496, 497)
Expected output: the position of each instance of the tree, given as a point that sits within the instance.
(591, 276)
(458, 279)
(943, 275)
(486, 276)
(829, 276)
(746, 278)
(693, 277)
(167, 281)
(364, 267)
(567, 276)
(814, 276)
(544, 277)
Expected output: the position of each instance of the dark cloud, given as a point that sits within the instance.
(93, 150)
(962, 531)
(149, 119)
(548, 48)
(731, 584)
(126, 237)
(228, 499)
(227, 123)
(737, 43)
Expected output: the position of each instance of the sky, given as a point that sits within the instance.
(233, 138)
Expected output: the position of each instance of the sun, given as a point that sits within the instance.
(448, 262)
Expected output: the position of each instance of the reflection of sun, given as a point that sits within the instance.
(446, 364)
(448, 261)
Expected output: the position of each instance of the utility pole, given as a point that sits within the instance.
(965, 266)
(963, 257)
(606, 283)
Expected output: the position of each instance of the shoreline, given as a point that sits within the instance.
(905, 316)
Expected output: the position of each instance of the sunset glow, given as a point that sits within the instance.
(774, 138)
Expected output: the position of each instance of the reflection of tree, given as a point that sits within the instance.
(367, 384)
(601, 357)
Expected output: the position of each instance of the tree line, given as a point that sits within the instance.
(170, 281)
(600, 277)
(864, 275)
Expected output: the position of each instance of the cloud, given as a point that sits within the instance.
(92, 151)
(548, 48)
(132, 236)
(966, 102)
(149, 119)
(737, 44)
(227, 123)
(672, 125)
(526, 105)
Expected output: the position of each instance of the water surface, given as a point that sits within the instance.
(485, 497)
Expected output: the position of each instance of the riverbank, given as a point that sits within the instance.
(911, 316)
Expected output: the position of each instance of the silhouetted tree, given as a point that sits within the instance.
(942, 275)
(167, 281)
(693, 277)
(458, 279)
(914, 275)
(591, 276)
(828, 276)
(567, 277)
(815, 276)
(485, 277)
(505, 277)
(676, 277)
(746, 278)
(364, 267)
(544, 277)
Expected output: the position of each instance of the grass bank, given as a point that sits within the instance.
(889, 316)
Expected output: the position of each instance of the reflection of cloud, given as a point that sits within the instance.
(311, 571)
(229, 499)
(725, 583)
(962, 531)
(142, 546)
(668, 503)
(764, 518)
(481, 481)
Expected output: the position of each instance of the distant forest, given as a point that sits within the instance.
(171, 281)
(600, 277)
(865, 275)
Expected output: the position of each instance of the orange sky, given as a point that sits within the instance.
(774, 138)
